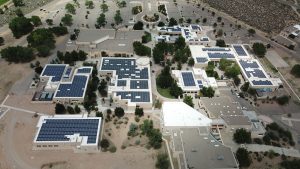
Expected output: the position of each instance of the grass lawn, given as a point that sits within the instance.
(165, 92)
(3, 1)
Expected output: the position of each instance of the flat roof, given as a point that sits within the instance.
(54, 71)
(179, 114)
(203, 151)
(94, 35)
(68, 129)
(76, 88)
(236, 120)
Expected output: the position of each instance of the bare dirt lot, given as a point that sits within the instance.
(266, 15)
(18, 130)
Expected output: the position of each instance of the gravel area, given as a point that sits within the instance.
(267, 15)
(29, 6)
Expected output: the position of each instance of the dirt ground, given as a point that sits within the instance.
(18, 130)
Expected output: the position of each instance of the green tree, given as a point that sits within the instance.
(38, 70)
(296, 70)
(70, 8)
(146, 37)
(259, 49)
(191, 62)
(180, 43)
(138, 26)
(220, 43)
(233, 71)
(243, 158)
(164, 79)
(175, 90)
(104, 7)
(119, 112)
(89, 4)
(225, 63)
(1, 41)
(41, 37)
(43, 50)
(70, 110)
(17, 54)
(208, 92)
(139, 111)
(18, 3)
(162, 161)
(118, 19)
(60, 109)
(251, 32)
(161, 24)
(101, 20)
(283, 100)
(245, 86)
(237, 80)
(141, 49)
(172, 22)
(59, 30)
(49, 22)
(77, 109)
(155, 138)
(188, 100)
(19, 12)
(20, 26)
(36, 20)
(67, 20)
(104, 143)
(242, 136)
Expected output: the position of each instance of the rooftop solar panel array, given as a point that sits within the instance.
(74, 89)
(262, 82)
(135, 96)
(171, 29)
(121, 83)
(200, 83)
(188, 79)
(216, 49)
(125, 68)
(196, 27)
(56, 71)
(220, 55)
(139, 84)
(84, 70)
(58, 129)
(68, 72)
(252, 69)
(239, 50)
(201, 60)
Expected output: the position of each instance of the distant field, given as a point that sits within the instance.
(3, 1)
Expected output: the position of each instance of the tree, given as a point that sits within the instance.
(175, 90)
(141, 49)
(161, 24)
(43, 50)
(49, 22)
(191, 62)
(122, 4)
(290, 164)
(188, 100)
(219, 19)
(237, 80)
(259, 49)
(119, 112)
(204, 20)
(208, 92)
(36, 20)
(89, 4)
(17, 54)
(138, 26)
(67, 20)
(104, 143)
(189, 20)
(242, 136)
(296, 70)
(18, 3)
(162, 161)
(220, 43)
(180, 43)
(146, 37)
(245, 86)
(70, 110)
(59, 30)
(38, 70)
(139, 111)
(41, 37)
(243, 157)
(283, 100)
(155, 138)
(77, 109)
(60, 109)
(19, 12)
(101, 20)
(1, 41)
(118, 19)
(20, 26)
(172, 22)
(164, 79)
(251, 32)
(70, 8)
(104, 7)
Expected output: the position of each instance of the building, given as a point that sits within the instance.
(193, 34)
(257, 128)
(106, 42)
(63, 83)
(191, 81)
(78, 132)
(130, 84)
(180, 115)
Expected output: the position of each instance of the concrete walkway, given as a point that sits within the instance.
(263, 148)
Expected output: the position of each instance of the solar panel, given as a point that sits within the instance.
(121, 83)
(216, 49)
(138, 84)
(59, 129)
(84, 70)
(55, 71)
(262, 82)
(135, 96)
(68, 72)
(201, 60)
(74, 89)
(239, 50)
(220, 55)
(188, 79)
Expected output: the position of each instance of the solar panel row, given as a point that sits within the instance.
(216, 49)
(239, 50)
(262, 82)
(121, 83)
(139, 84)
(188, 79)
(84, 70)
(74, 89)
(56, 71)
(201, 60)
(58, 129)
(220, 55)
